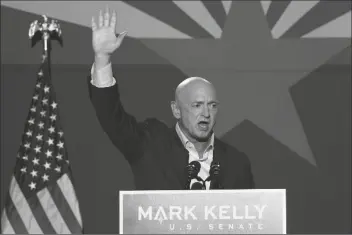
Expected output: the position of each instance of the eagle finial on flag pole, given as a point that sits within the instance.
(45, 30)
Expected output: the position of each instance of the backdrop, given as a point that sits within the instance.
(282, 70)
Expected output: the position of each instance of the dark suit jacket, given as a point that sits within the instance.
(155, 151)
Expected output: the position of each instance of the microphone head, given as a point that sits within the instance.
(196, 165)
(193, 169)
(197, 186)
(214, 169)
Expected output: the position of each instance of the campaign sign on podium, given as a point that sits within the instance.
(203, 212)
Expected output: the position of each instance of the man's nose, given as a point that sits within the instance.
(206, 112)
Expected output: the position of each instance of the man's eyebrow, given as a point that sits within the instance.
(202, 102)
(213, 102)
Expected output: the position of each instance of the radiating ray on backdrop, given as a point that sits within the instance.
(227, 5)
(137, 22)
(200, 14)
(294, 11)
(265, 5)
(322, 13)
(337, 28)
(217, 11)
(275, 11)
(169, 13)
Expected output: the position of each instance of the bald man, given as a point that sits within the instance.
(159, 154)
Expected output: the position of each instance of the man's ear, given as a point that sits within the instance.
(175, 110)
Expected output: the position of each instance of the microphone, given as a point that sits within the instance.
(214, 178)
(197, 186)
(192, 170)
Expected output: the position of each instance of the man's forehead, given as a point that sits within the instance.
(195, 89)
(199, 94)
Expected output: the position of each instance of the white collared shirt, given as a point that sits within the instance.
(205, 160)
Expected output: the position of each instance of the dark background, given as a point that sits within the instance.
(318, 197)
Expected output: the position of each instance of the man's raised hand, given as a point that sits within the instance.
(104, 38)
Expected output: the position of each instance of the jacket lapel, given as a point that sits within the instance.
(219, 155)
(178, 159)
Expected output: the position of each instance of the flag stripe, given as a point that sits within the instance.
(63, 205)
(40, 215)
(13, 217)
(52, 212)
(6, 227)
(23, 208)
(68, 191)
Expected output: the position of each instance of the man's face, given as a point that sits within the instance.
(198, 109)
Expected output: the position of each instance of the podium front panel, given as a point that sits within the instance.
(203, 212)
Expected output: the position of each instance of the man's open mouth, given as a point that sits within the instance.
(204, 125)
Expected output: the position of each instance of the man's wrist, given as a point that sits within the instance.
(101, 61)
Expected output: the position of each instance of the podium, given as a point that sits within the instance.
(257, 211)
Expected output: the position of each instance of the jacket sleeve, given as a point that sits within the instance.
(247, 177)
(128, 135)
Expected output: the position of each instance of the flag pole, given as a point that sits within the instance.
(45, 31)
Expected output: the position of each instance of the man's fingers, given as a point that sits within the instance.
(113, 20)
(121, 37)
(94, 25)
(106, 17)
(100, 19)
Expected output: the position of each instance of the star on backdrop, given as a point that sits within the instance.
(253, 72)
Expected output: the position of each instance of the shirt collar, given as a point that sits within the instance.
(185, 141)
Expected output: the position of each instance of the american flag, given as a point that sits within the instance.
(41, 197)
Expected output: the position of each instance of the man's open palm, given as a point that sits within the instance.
(105, 41)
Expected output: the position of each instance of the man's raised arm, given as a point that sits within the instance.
(123, 130)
